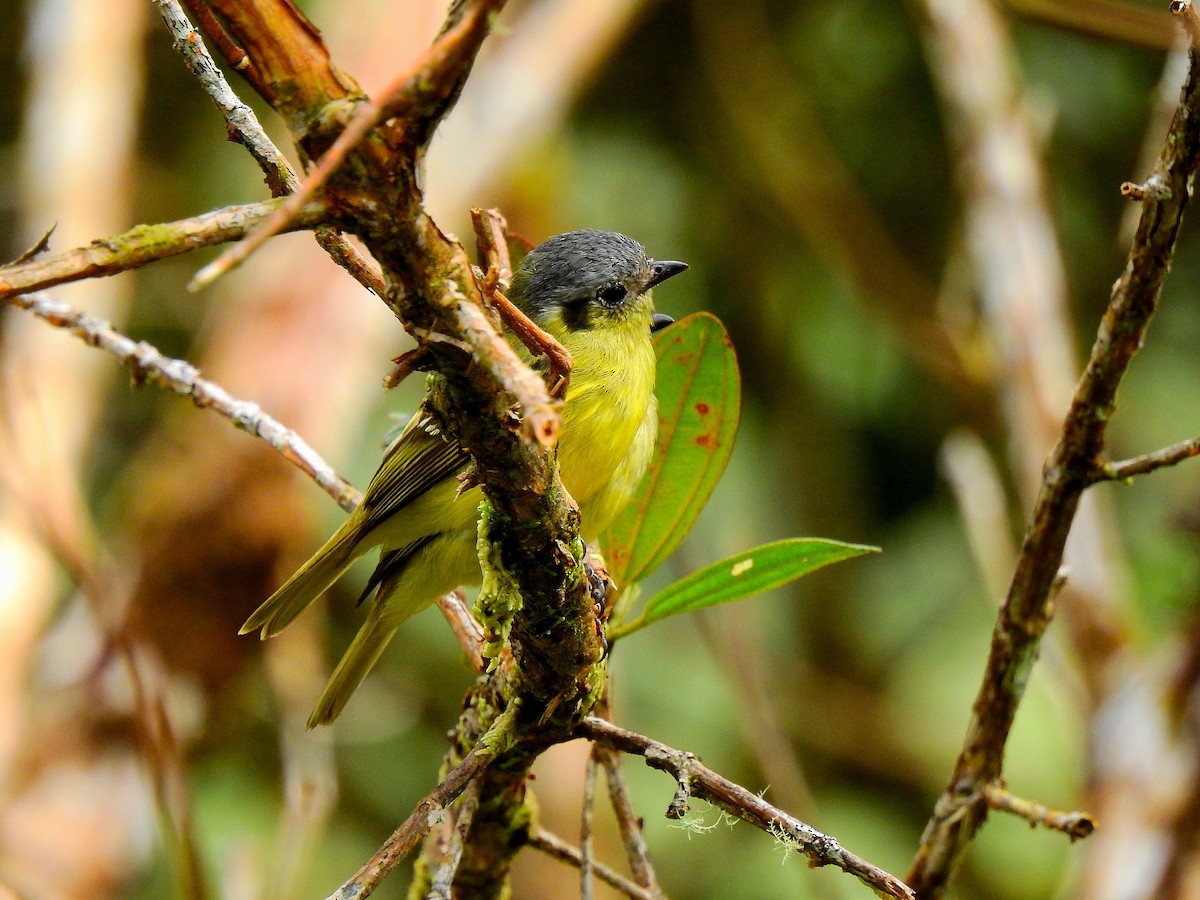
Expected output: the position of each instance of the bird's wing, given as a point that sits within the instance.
(417, 460)
(391, 564)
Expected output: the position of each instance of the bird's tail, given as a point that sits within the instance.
(307, 583)
(359, 659)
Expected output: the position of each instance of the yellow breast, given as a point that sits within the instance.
(610, 421)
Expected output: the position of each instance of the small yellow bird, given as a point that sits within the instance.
(591, 290)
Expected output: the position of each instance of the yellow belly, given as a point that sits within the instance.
(609, 427)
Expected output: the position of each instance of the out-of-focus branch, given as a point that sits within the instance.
(1018, 271)
(1108, 19)
(961, 809)
(696, 779)
(586, 834)
(1149, 462)
(144, 244)
(145, 363)
(791, 159)
(1075, 825)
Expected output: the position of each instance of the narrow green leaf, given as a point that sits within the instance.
(761, 569)
(699, 400)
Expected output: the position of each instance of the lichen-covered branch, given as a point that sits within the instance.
(700, 781)
(145, 363)
(486, 398)
(142, 245)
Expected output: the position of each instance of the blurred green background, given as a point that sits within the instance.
(800, 158)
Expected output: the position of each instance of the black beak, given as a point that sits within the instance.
(659, 321)
(661, 271)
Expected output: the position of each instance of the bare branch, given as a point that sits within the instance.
(145, 363)
(1075, 825)
(821, 849)
(636, 851)
(554, 846)
(244, 127)
(428, 812)
(145, 244)
(1016, 639)
(274, 46)
(1153, 187)
(586, 860)
(1149, 462)
(242, 123)
(443, 878)
(448, 58)
(467, 631)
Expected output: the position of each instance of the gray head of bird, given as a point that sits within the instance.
(590, 278)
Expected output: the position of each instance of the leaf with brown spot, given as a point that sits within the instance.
(699, 401)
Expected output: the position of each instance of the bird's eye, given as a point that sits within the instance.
(612, 294)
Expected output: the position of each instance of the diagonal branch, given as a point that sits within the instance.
(244, 127)
(439, 74)
(962, 808)
(701, 781)
(145, 363)
(428, 812)
(554, 846)
(142, 245)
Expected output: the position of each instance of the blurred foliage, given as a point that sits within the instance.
(872, 667)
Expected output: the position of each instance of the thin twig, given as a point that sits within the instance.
(491, 247)
(636, 852)
(75, 546)
(243, 124)
(821, 849)
(145, 244)
(1110, 20)
(491, 243)
(586, 834)
(1149, 462)
(157, 741)
(466, 629)
(554, 846)
(1152, 187)
(428, 812)
(244, 127)
(1075, 825)
(448, 51)
(146, 363)
(442, 880)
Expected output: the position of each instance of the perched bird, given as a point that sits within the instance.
(591, 290)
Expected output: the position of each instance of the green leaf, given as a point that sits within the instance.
(699, 400)
(761, 569)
